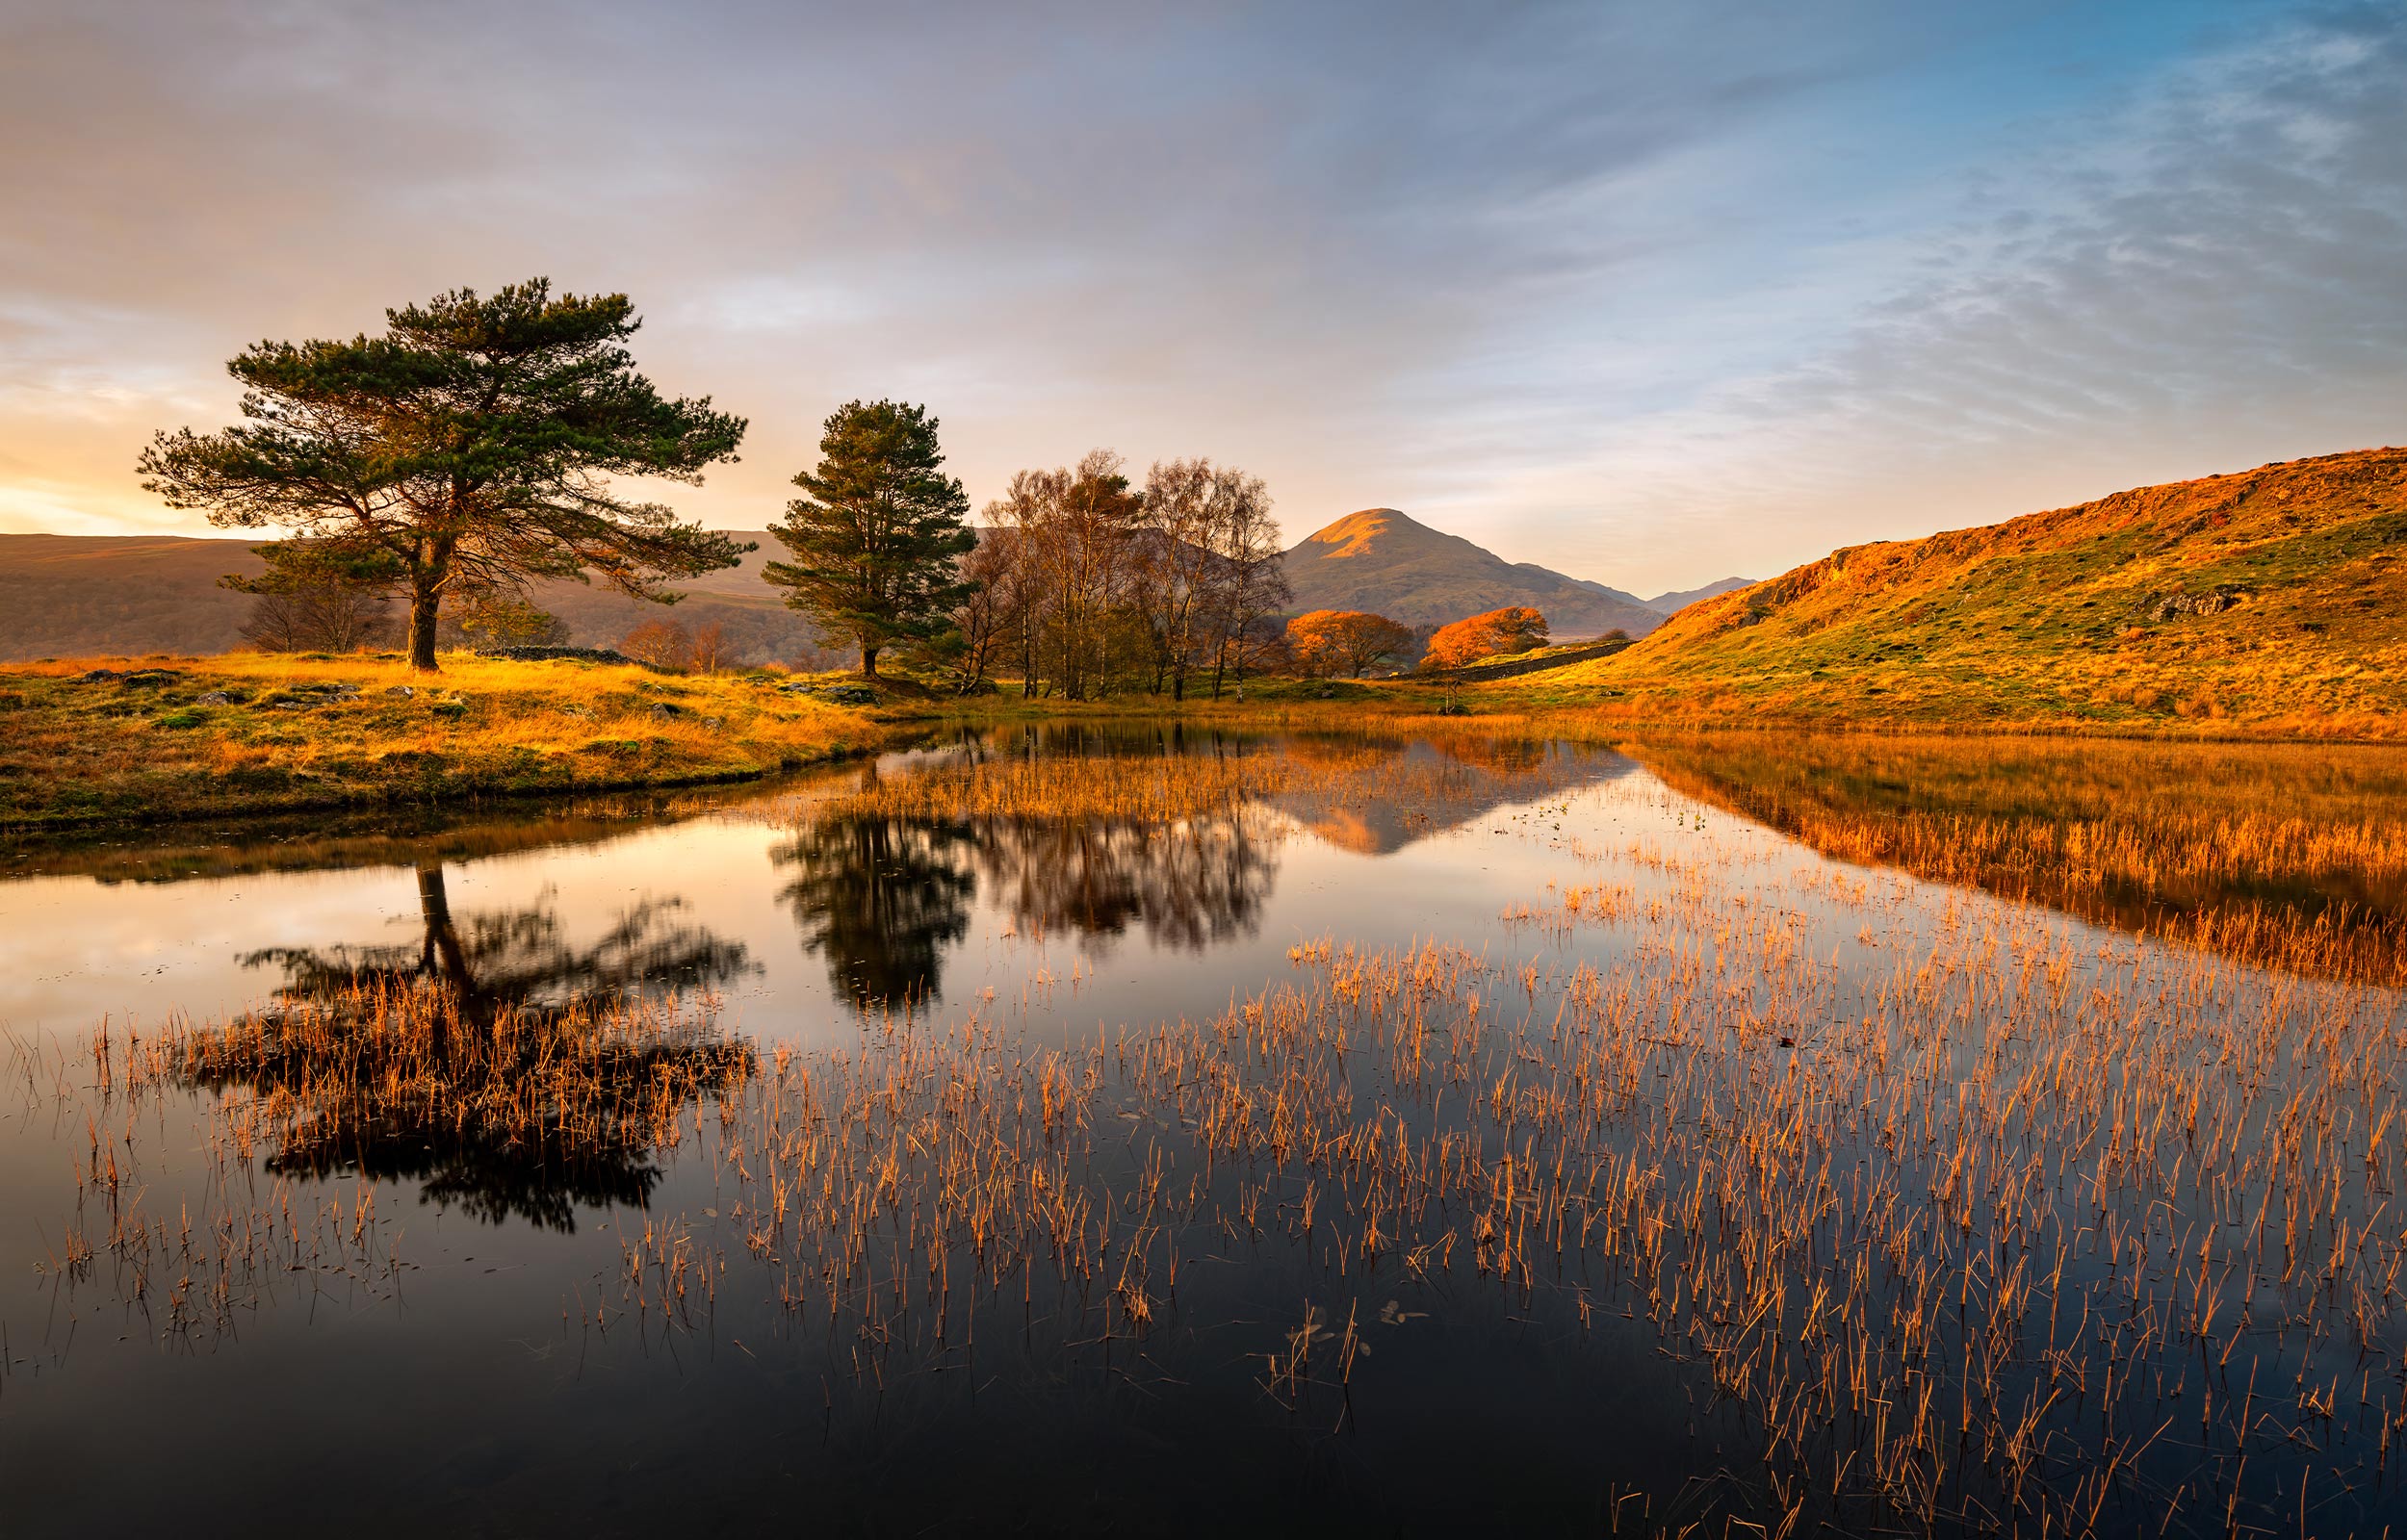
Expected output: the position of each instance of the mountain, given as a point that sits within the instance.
(1680, 599)
(2274, 597)
(80, 596)
(1381, 561)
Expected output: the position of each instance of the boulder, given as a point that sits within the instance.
(2214, 600)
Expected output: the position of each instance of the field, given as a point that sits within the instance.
(261, 732)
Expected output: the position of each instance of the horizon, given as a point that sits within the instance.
(1647, 301)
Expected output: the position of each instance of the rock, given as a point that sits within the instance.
(532, 654)
(215, 698)
(98, 676)
(664, 709)
(709, 721)
(849, 695)
(2214, 602)
(401, 692)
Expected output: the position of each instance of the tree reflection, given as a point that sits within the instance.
(880, 898)
(1187, 884)
(499, 958)
(503, 1068)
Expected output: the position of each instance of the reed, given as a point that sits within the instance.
(1983, 1224)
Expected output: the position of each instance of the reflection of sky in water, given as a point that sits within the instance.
(83, 949)
(499, 1405)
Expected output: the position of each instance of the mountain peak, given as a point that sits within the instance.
(1382, 561)
(1353, 534)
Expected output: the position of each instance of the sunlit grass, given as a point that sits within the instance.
(2293, 856)
(249, 731)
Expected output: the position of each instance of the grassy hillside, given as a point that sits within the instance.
(1381, 561)
(249, 733)
(86, 596)
(77, 596)
(2275, 599)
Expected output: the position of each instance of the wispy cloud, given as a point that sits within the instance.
(1647, 291)
(2203, 279)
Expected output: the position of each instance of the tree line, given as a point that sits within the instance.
(425, 480)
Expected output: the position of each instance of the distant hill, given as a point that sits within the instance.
(74, 595)
(1381, 561)
(2275, 596)
(1680, 599)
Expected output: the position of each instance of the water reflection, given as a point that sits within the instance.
(2291, 857)
(355, 841)
(492, 960)
(880, 900)
(1187, 886)
(554, 1112)
(491, 1061)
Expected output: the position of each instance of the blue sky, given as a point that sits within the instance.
(1647, 293)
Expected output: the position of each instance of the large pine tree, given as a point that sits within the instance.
(877, 537)
(471, 448)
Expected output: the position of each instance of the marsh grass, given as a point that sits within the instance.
(1982, 1224)
(2293, 856)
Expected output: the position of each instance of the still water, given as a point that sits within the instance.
(436, 1325)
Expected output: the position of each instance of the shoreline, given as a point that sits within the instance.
(168, 746)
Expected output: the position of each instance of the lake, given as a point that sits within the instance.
(1146, 1129)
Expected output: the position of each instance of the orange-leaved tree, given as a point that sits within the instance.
(1514, 629)
(1328, 642)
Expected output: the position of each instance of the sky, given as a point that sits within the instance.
(1648, 294)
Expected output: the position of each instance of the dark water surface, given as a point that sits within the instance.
(522, 1334)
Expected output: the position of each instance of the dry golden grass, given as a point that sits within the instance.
(2269, 602)
(320, 731)
(1978, 1226)
(2292, 855)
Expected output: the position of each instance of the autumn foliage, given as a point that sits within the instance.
(1328, 642)
(1514, 629)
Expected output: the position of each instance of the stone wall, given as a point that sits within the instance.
(1527, 665)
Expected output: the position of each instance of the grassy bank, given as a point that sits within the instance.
(95, 742)
(85, 743)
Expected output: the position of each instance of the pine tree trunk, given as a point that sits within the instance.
(868, 661)
(425, 603)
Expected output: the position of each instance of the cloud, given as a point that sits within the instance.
(1645, 292)
(2202, 279)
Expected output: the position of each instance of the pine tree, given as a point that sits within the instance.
(877, 537)
(472, 449)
